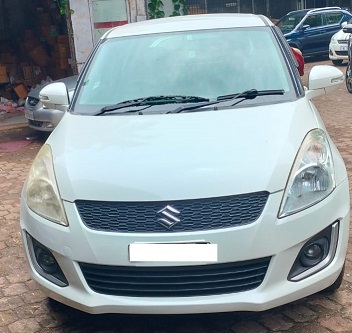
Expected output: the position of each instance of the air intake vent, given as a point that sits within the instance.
(182, 281)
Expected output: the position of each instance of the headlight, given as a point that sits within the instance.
(42, 193)
(312, 177)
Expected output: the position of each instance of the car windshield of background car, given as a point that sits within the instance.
(205, 63)
(289, 22)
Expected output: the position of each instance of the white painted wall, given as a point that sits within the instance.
(82, 30)
(136, 10)
(107, 13)
(85, 12)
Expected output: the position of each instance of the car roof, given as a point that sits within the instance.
(303, 11)
(316, 10)
(188, 23)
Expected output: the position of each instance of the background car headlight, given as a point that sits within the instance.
(42, 193)
(312, 177)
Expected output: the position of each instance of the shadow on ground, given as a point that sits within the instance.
(23, 133)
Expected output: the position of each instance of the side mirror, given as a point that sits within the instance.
(347, 28)
(55, 96)
(324, 79)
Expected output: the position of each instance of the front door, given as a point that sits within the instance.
(313, 34)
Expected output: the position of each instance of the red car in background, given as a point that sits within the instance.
(300, 60)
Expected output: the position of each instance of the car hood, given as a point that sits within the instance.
(340, 35)
(178, 156)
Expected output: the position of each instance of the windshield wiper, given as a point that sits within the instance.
(149, 101)
(251, 94)
(247, 94)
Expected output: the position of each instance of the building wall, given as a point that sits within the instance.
(82, 30)
(92, 18)
(85, 35)
(136, 10)
(277, 9)
(273, 9)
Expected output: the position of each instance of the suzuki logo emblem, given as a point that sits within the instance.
(168, 218)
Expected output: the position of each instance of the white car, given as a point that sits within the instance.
(338, 47)
(184, 179)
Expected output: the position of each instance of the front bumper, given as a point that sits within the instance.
(279, 239)
(45, 119)
(335, 52)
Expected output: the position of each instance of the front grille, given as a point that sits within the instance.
(342, 53)
(35, 123)
(180, 281)
(195, 215)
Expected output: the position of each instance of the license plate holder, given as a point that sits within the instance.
(173, 252)
(29, 114)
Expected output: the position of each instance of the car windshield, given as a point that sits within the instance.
(205, 64)
(290, 21)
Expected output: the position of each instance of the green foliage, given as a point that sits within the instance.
(179, 8)
(155, 9)
(63, 4)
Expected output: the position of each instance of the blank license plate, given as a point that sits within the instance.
(175, 252)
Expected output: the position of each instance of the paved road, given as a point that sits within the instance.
(24, 309)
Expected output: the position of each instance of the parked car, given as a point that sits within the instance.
(348, 77)
(186, 179)
(300, 60)
(310, 30)
(338, 46)
(41, 118)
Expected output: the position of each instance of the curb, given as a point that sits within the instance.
(15, 132)
(12, 126)
(12, 120)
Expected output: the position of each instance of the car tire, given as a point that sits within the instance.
(337, 62)
(337, 284)
(349, 78)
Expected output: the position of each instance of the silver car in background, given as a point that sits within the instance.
(41, 118)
